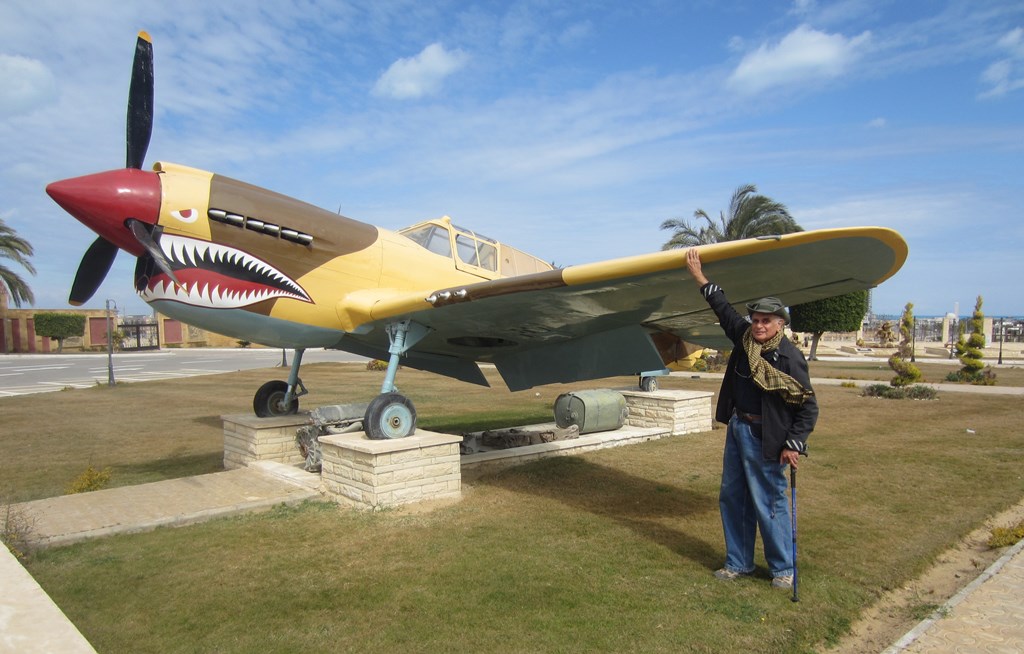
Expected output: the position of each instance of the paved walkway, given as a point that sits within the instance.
(986, 617)
(174, 502)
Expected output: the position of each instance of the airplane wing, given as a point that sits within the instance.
(597, 320)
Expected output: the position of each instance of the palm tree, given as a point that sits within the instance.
(19, 250)
(750, 215)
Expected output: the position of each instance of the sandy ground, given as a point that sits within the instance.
(897, 612)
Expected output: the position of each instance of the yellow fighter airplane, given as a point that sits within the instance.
(246, 262)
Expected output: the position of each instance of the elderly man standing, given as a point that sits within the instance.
(768, 404)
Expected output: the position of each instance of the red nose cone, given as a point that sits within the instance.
(104, 201)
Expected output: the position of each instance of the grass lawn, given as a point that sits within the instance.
(606, 551)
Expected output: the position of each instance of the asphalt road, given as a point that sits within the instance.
(21, 374)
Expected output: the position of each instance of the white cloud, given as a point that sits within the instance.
(803, 7)
(27, 84)
(803, 55)
(415, 77)
(878, 123)
(1007, 74)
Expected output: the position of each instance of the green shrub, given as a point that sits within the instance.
(90, 480)
(920, 392)
(1006, 536)
(711, 361)
(906, 372)
(59, 326)
(376, 364)
(986, 377)
(915, 392)
(970, 352)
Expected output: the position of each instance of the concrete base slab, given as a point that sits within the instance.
(374, 474)
(473, 465)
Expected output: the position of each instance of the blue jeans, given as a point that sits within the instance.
(752, 497)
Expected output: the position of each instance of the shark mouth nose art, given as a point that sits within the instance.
(216, 276)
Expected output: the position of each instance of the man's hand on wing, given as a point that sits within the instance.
(693, 265)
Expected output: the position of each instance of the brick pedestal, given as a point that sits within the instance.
(248, 438)
(683, 412)
(376, 474)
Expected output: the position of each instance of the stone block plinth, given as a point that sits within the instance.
(376, 474)
(248, 438)
(681, 412)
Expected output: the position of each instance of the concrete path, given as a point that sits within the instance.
(174, 502)
(986, 617)
(29, 620)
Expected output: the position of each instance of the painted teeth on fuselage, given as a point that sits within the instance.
(263, 281)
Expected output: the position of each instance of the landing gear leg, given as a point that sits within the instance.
(390, 414)
(279, 398)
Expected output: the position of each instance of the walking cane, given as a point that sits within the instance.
(792, 488)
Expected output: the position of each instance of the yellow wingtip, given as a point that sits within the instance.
(144, 35)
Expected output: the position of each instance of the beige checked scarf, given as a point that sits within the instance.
(766, 376)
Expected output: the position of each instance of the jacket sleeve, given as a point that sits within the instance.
(806, 415)
(733, 324)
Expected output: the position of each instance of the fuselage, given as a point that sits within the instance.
(267, 268)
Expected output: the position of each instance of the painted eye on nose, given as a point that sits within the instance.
(186, 215)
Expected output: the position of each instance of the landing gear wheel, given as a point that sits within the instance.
(269, 400)
(649, 384)
(390, 415)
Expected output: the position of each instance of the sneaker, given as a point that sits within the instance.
(725, 574)
(783, 581)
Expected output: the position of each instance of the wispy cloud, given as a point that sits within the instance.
(27, 84)
(1007, 74)
(804, 55)
(423, 74)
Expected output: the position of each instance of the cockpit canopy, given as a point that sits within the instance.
(473, 252)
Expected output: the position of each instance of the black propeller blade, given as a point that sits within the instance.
(100, 256)
(140, 103)
(143, 236)
(94, 267)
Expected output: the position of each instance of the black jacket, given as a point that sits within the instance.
(783, 425)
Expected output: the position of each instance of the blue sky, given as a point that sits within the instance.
(571, 130)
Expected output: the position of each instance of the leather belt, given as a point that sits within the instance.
(749, 418)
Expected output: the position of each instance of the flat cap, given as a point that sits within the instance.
(772, 305)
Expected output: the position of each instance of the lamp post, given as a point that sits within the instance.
(1002, 337)
(110, 345)
(952, 335)
(913, 343)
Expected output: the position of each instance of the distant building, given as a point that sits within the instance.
(18, 335)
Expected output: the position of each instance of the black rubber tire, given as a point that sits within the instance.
(389, 415)
(268, 401)
(648, 384)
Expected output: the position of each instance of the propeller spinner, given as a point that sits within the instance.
(121, 206)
